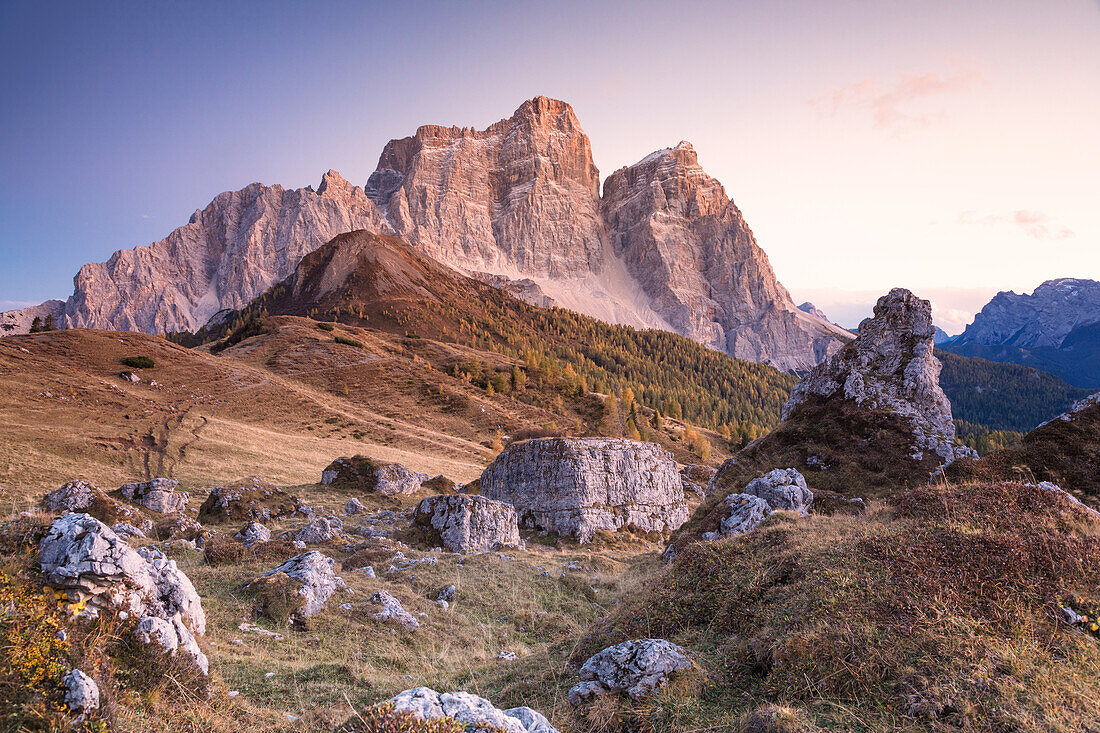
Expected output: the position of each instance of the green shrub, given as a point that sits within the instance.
(347, 341)
(138, 362)
(326, 326)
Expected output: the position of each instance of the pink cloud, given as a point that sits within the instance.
(891, 105)
(1034, 224)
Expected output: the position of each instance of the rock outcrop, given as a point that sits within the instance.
(158, 495)
(84, 496)
(309, 575)
(576, 486)
(247, 500)
(696, 478)
(320, 530)
(477, 713)
(890, 367)
(783, 489)
(241, 244)
(85, 558)
(465, 523)
(639, 668)
(252, 533)
(517, 205)
(360, 473)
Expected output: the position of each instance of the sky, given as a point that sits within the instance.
(951, 148)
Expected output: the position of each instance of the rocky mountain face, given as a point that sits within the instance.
(517, 204)
(1056, 329)
(689, 248)
(890, 367)
(1044, 318)
(242, 243)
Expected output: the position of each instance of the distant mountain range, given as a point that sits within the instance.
(662, 247)
(1055, 329)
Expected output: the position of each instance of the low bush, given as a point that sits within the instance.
(348, 342)
(326, 326)
(138, 362)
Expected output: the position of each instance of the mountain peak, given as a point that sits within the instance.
(332, 182)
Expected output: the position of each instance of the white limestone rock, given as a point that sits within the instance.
(468, 523)
(575, 486)
(320, 530)
(783, 488)
(252, 533)
(81, 692)
(891, 367)
(392, 611)
(317, 581)
(639, 668)
(477, 713)
(158, 495)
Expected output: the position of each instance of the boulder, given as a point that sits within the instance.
(312, 574)
(81, 692)
(354, 506)
(393, 612)
(85, 558)
(158, 495)
(252, 533)
(465, 523)
(319, 530)
(245, 500)
(363, 474)
(639, 668)
(746, 513)
(477, 713)
(84, 496)
(783, 488)
(576, 486)
(173, 637)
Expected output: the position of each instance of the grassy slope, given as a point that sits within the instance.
(936, 611)
(1066, 452)
(281, 405)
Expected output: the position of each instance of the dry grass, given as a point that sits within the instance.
(936, 611)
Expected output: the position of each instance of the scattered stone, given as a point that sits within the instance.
(448, 594)
(252, 533)
(320, 530)
(81, 692)
(368, 571)
(466, 523)
(477, 713)
(178, 526)
(125, 528)
(158, 495)
(313, 574)
(366, 475)
(576, 486)
(639, 668)
(783, 488)
(259, 631)
(747, 512)
(245, 500)
(506, 657)
(354, 506)
(129, 377)
(393, 612)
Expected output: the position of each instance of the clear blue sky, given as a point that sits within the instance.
(949, 147)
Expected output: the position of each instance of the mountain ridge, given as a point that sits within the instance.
(518, 201)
